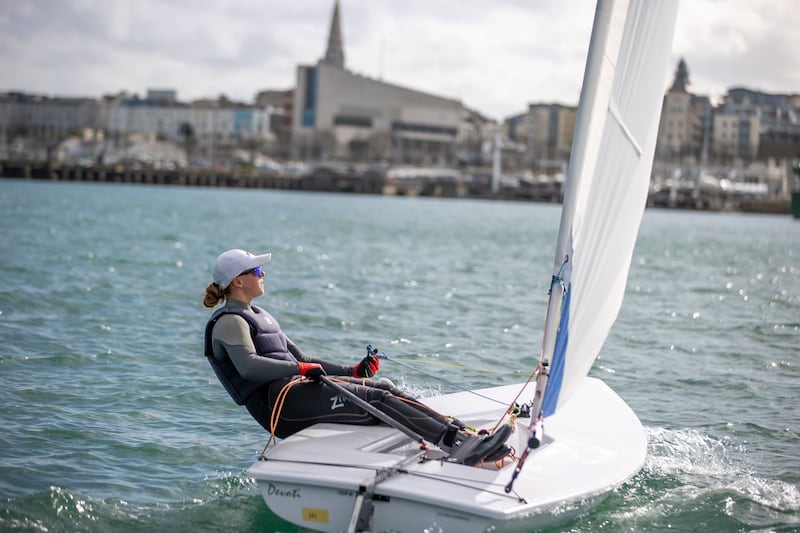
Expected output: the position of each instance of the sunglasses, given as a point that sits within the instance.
(257, 272)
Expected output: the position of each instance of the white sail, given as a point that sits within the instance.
(607, 184)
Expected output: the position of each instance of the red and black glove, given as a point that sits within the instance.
(367, 368)
(311, 370)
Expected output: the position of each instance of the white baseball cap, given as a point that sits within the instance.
(235, 262)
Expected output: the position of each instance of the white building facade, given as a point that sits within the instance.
(341, 115)
(205, 121)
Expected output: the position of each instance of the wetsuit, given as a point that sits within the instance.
(254, 360)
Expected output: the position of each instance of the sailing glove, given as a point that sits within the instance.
(311, 370)
(367, 368)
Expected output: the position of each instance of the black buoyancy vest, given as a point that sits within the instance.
(268, 339)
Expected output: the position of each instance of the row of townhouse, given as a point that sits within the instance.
(334, 113)
(747, 125)
(204, 125)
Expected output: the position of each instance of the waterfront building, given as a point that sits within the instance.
(751, 125)
(280, 103)
(685, 122)
(748, 125)
(338, 114)
(34, 123)
(205, 127)
(744, 146)
(735, 134)
(545, 130)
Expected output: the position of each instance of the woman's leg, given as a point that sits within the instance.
(308, 403)
(409, 400)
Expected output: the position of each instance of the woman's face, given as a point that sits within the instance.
(252, 283)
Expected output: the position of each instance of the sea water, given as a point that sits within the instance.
(112, 420)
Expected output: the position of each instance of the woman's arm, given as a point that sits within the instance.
(232, 334)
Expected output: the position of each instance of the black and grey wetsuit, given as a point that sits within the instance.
(254, 360)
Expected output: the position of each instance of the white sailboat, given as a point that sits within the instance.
(581, 440)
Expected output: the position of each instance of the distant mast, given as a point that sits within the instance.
(334, 54)
(496, 163)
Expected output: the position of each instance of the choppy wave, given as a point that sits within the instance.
(112, 420)
(229, 503)
(693, 470)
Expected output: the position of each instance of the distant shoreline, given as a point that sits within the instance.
(327, 180)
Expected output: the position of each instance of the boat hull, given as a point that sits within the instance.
(332, 477)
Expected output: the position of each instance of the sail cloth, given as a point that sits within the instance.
(607, 181)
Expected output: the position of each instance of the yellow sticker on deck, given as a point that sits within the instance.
(315, 515)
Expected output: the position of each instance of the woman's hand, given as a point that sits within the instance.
(367, 368)
(311, 370)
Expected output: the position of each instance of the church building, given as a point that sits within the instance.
(341, 115)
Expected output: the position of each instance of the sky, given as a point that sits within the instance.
(495, 56)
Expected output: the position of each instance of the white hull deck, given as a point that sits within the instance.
(333, 477)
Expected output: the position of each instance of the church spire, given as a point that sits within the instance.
(334, 55)
(681, 83)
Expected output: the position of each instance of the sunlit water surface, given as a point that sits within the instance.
(113, 421)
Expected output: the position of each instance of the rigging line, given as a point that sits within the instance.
(452, 480)
(451, 365)
(543, 374)
(559, 278)
(513, 403)
(384, 356)
(510, 408)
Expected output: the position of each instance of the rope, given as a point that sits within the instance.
(512, 409)
(475, 484)
(438, 378)
(451, 365)
(275, 416)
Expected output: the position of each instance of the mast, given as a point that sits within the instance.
(496, 164)
(605, 192)
(591, 100)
